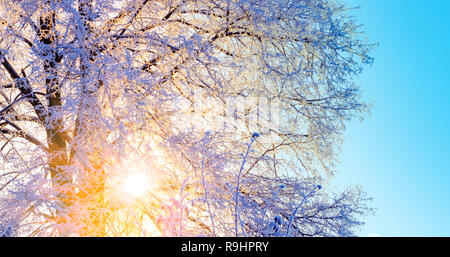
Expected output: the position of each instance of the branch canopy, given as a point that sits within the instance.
(98, 89)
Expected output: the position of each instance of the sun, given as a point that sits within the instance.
(136, 184)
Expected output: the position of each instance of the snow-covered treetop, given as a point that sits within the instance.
(88, 86)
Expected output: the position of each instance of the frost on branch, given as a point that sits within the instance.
(232, 110)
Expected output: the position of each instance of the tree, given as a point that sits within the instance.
(93, 91)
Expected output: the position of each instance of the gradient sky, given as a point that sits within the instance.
(400, 154)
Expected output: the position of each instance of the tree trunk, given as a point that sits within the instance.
(92, 186)
(57, 155)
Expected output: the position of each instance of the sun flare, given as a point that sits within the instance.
(136, 184)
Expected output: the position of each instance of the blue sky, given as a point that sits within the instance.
(400, 154)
